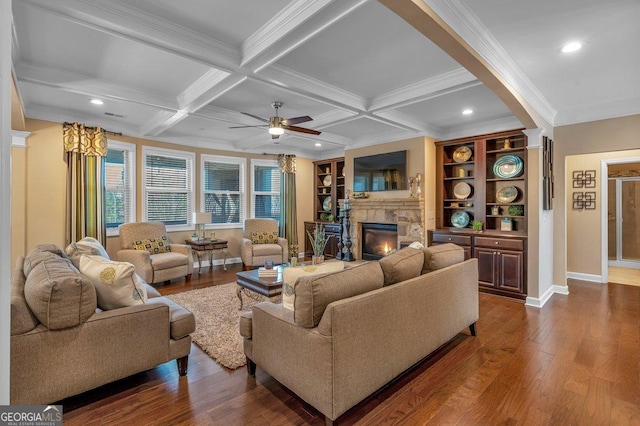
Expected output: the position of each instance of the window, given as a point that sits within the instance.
(223, 190)
(120, 193)
(168, 187)
(265, 197)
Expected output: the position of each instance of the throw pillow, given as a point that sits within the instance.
(315, 293)
(402, 265)
(58, 295)
(441, 255)
(264, 237)
(117, 284)
(87, 245)
(153, 245)
(291, 274)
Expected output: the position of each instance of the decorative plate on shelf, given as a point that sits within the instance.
(327, 180)
(462, 190)
(462, 154)
(508, 166)
(507, 194)
(460, 219)
(326, 204)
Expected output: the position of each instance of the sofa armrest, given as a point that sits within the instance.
(181, 248)
(182, 321)
(285, 249)
(246, 320)
(141, 261)
(246, 251)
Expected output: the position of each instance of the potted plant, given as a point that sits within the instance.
(476, 225)
(318, 241)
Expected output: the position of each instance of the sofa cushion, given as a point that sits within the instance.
(264, 237)
(441, 255)
(87, 245)
(117, 284)
(22, 320)
(315, 292)
(153, 245)
(402, 265)
(291, 274)
(40, 254)
(58, 295)
(168, 260)
(182, 321)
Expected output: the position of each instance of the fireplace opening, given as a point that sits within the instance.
(378, 239)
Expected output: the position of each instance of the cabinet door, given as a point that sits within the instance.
(510, 271)
(487, 273)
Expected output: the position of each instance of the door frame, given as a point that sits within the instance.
(619, 261)
(604, 192)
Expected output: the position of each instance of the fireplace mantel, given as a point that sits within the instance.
(407, 213)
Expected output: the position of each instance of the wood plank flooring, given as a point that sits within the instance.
(576, 361)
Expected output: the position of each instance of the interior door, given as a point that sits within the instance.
(629, 224)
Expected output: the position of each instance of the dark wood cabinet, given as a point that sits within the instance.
(501, 259)
(484, 178)
(332, 229)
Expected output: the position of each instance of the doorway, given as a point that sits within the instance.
(623, 223)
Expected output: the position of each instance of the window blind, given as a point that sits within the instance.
(119, 185)
(223, 189)
(266, 190)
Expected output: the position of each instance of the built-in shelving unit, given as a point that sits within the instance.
(329, 188)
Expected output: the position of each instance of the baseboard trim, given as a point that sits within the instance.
(585, 277)
(535, 302)
(217, 262)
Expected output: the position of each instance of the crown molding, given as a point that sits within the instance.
(312, 88)
(468, 26)
(603, 111)
(297, 35)
(85, 85)
(294, 15)
(19, 139)
(439, 85)
(118, 18)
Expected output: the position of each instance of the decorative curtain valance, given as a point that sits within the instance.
(288, 213)
(85, 148)
(85, 140)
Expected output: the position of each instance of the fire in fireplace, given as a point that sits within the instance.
(378, 239)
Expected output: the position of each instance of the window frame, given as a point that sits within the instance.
(240, 161)
(190, 157)
(132, 180)
(261, 162)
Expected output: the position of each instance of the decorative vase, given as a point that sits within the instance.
(316, 260)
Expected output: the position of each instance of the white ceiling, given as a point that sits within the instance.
(184, 71)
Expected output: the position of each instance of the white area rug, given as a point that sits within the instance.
(217, 316)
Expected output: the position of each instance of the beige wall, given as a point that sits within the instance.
(42, 184)
(421, 158)
(603, 136)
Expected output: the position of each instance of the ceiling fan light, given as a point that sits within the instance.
(276, 130)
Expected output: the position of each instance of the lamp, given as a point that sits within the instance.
(201, 219)
(275, 128)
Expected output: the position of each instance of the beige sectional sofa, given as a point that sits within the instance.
(353, 331)
(62, 344)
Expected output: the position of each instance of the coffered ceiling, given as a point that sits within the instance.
(184, 72)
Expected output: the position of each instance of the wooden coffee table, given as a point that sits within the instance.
(252, 283)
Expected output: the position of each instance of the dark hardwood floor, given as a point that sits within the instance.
(574, 362)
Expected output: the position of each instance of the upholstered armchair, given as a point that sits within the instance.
(261, 242)
(144, 244)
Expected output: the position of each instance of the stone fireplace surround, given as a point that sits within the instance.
(407, 213)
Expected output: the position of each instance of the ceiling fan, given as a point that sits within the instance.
(277, 125)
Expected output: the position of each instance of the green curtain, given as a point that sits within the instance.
(288, 220)
(85, 148)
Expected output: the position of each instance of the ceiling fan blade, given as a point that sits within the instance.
(296, 120)
(302, 130)
(244, 127)
(256, 117)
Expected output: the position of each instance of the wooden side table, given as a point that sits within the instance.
(210, 247)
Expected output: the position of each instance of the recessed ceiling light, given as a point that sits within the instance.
(97, 102)
(318, 144)
(571, 47)
(467, 111)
